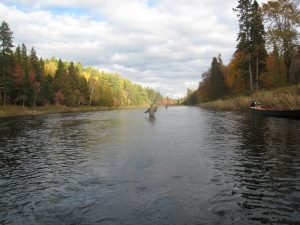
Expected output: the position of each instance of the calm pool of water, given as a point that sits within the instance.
(186, 166)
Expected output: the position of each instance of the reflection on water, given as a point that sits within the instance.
(185, 166)
(263, 170)
(151, 120)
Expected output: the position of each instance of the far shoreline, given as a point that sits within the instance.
(8, 111)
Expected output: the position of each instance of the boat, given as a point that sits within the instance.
(275, 113)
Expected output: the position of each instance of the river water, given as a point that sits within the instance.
(186, 166)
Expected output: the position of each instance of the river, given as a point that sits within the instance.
(186, 166)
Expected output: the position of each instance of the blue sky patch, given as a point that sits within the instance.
(68, 10)
(152, 3)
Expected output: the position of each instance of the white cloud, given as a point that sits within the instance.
(163, 44)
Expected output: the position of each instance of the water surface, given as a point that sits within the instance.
(186, 166)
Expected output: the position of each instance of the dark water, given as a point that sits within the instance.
(188, 166)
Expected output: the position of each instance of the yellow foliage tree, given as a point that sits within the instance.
(235, 82)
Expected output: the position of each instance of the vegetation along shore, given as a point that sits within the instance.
(284, 98)
(265, 65)
(15, 110)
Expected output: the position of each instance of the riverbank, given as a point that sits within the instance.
(11, 110)
(284, 98)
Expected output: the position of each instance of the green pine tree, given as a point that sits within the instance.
(18, 75)
(218, 87)
(60, 75)
(258, 42)
(244, 13)
(36, 75)
(6, 61)
(24, 58)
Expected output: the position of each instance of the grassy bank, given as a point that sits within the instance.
(9, 111)
(283, 98)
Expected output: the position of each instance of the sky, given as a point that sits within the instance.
(162, 44)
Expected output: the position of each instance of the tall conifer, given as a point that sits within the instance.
(218, 87)
(244, 12)
(257, 37)
(6, 61)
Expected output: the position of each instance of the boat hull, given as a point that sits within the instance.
(276, 113)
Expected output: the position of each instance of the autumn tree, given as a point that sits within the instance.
(274, 76)
(92, 85)
(283, 19)
(236, 82)
(27, 80)
(203, 89)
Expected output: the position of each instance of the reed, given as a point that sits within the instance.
(284, 98)
(233, 104)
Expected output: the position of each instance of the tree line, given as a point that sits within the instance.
(27, 80)
(267, 54)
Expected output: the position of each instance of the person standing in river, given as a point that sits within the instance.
(151, 110)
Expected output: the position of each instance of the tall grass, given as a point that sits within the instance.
(11, 110)
(284, 98)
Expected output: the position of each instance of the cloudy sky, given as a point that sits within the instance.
(163, 44)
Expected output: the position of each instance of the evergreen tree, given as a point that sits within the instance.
(218, 87)
(17, 76)
(36, 75)
(191, 97)
(18, 56)
(73, 73)
(6, 61)
(84, 90)
(70, 86)
(6, 39)
(24, 59)
(60, 75)
(35, 64)
(244, 11)
(220, 60)
(257, 37)
(47, 90)
(28, 91)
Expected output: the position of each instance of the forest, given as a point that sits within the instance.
(267, 54)
(27, 80)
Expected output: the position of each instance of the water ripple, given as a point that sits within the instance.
(189, 166)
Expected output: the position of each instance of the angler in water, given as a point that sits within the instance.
(151, 110)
